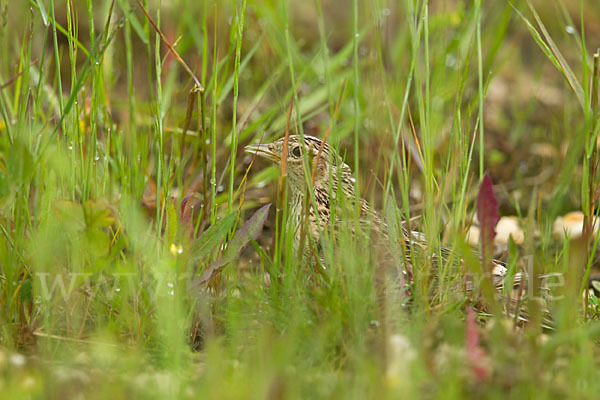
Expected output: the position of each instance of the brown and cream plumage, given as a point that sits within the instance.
(333, 182)
(311, 162)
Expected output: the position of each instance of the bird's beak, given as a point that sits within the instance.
(262, 150)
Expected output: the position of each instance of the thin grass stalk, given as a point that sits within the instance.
(213, 128)
(553, 53)
(133, 169)
(428, 135)
(480, 86)
(205, 44)
(203, 146)
(171, 48)
(38, 91)
(87, 177)
(94, 55)
(356, 105)
(57, 62)
(14, 273)
(203, 149)
(325, 57)
(592, 191)
(148, 48)
(466, 148)
(21, 212)
(73, 135)
(584, 57)
(161, 184)
(402, 167)
(429, 217)
(17, 80)
(276, 243)
(454, 164)
(309, 197)
(22, 88)
(298, 123)
(236, 75)
(193, 94)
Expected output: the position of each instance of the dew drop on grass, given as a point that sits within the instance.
(357, 34)
(570, 30)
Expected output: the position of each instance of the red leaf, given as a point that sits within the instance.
(475, 352)
(487, 212)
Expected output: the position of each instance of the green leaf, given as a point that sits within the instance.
(249, 231)
(97, 244)
(172, 222)
(211, 238)
(19, 162)
(4, 185)
(70, 214)
(26, 290)
(97, 214)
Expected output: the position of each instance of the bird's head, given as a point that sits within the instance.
(328, 164)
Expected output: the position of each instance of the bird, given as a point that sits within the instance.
(333, 180)
(312, 164)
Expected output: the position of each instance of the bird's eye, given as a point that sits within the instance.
(296, 151)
